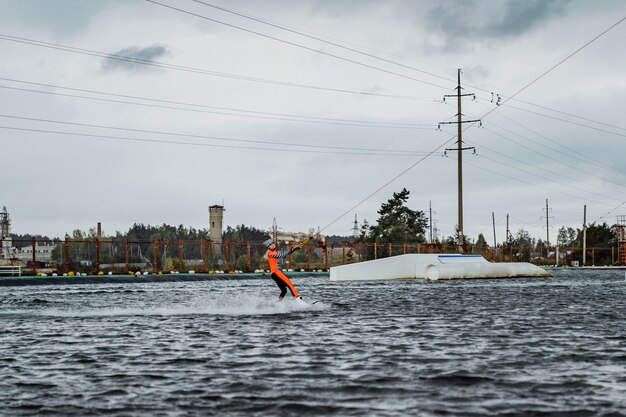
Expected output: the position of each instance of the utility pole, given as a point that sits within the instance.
(430, 219)
(585, 236)
(460, 149)
(508, 232)
(547, 231)
(493, 221)
(547, 226)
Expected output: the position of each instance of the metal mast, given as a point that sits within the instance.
(355, 228)
(460, 149)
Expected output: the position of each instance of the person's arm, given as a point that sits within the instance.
(280, 255)
(285, 253)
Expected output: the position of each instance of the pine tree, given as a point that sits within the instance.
(398, 223)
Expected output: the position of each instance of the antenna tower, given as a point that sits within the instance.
(621, 239)
(355, 227)
(274, 231)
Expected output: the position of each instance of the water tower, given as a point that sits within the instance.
(5, 230)
(216, 217)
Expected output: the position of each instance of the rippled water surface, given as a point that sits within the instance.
(497, 347)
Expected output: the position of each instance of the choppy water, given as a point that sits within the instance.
(501, 347)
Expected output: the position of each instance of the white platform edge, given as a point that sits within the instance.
(434, 266)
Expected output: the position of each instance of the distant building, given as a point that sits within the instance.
(43, 252)
(294, 237)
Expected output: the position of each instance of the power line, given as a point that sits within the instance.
(399, 64)
(389, 182)
(569, 114)
(571, 122)
(609, 212)
(577, 155)
(578, 168)
(282, 27)
(256, 19)
(546, 72)
(253, 114)
(158, 64)
(298, 45)
(526, 163)
(470, 125)
(339, 149)
(542, 177)
(482, 167)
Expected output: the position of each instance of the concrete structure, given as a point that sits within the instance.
(43, 252)
(216, 219)
(433, 267)
(5, 235)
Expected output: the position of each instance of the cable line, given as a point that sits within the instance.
(298, 45)
(254, 114)
(555, 65)
(577, 155)
(472, 124)
(344, 149)
(569, 114)
(609, 212)
(570, 121)
(158, 64)
(247, 16)
(577, 168)
(522, 181)
(392, 62)
(526, 163)
(541, 176)
(582, 158)
(256, 19)
(443, 144)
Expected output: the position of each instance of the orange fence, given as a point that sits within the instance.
(130, 256)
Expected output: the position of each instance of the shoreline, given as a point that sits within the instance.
(26, 280)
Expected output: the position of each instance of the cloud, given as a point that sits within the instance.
(459, 23)
(148, 53)
(521, 16)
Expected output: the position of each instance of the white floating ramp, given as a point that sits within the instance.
(434, 266)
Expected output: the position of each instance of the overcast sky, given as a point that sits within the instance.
(132, 111)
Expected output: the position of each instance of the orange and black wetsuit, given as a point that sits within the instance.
(277, 275)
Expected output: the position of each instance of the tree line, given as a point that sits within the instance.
(397, 223)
